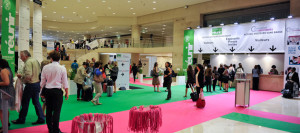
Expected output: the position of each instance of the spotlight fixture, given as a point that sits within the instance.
(236, 23)
(272, 19)
(222, 24)
(189, 28)
(198, 27)
(290, 16)
(253, 20)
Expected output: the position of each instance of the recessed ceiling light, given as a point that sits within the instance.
(129, 1)
(154, 2)
(133, 13)
(54, 20)
(65, 7)
(74, 12)
(101, 30)
(54, 0)
(94, 13)
(87, 7)
(103, 1)
(54, 12)
(129, 30)
(62, 17)
(114, 13)
(110, 27)
(57, 31)
(164, 25)
(154, 8)
(64, 33)
(70, 20)
(146, 28)
(131, 8)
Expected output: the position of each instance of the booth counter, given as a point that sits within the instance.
(269, 82)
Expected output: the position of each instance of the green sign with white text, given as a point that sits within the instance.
(216, 31)
(188, 49)
(8, 32)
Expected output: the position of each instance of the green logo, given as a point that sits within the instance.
(216, 31)
(118, 55)
(7, 4)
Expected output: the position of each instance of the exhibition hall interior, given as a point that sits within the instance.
(153, 66)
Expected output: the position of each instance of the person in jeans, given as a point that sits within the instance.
(215, 77)
(53, 79)
(97, 84)
(168, 79)
(190, 80)
(199, 79)
(30, 77)
(208, 76)
(79, 80)
(114, 74)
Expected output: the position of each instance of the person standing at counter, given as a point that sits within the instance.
(240, 68)
(273, 71)
(221, 71)
(255, 74)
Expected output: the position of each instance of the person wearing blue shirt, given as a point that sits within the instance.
(74, 66)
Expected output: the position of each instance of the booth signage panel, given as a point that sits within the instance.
(124, 68)
(8, 32)
(292, 46)
(260, 37)
(188, 49)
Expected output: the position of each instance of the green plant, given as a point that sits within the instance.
(180, 73)
(140, 70)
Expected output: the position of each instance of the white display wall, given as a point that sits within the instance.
(248, 61)
(152, 60)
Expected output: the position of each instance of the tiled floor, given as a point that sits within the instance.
(280, 105)
(221, 125)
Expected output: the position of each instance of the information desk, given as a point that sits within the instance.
(269, 82)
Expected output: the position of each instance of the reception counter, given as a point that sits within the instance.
(269, 82)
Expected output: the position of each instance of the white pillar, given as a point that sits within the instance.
(37, 33)
(24, 25)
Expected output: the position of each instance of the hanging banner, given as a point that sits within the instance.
(259, 37)
(8, 32)
(292, 46)
(124, 69)
(188, 46)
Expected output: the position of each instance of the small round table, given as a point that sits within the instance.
(92, 123)
(145, 119)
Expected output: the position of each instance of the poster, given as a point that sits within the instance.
(8, 32)
(188, 50)
(259, 37)
(50, 46)
(292, 46)
(123, 60)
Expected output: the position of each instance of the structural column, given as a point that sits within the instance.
(135, 36)
(135, 57)
(178, 36)
(37, 32)
(24, 23)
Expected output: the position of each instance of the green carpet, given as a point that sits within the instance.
(269, 123)
(120, 101)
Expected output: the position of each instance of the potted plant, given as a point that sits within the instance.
(180, 78)
(140, 76)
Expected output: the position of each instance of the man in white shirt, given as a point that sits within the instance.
(53, 79)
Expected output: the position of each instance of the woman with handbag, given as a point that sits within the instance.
(226, 78)
(199, 79)
(155, 80)
(98, 79)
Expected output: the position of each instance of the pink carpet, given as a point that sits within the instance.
(182, 114)
(139, 83)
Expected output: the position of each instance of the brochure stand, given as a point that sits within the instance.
(5, 97)
(242, 91)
